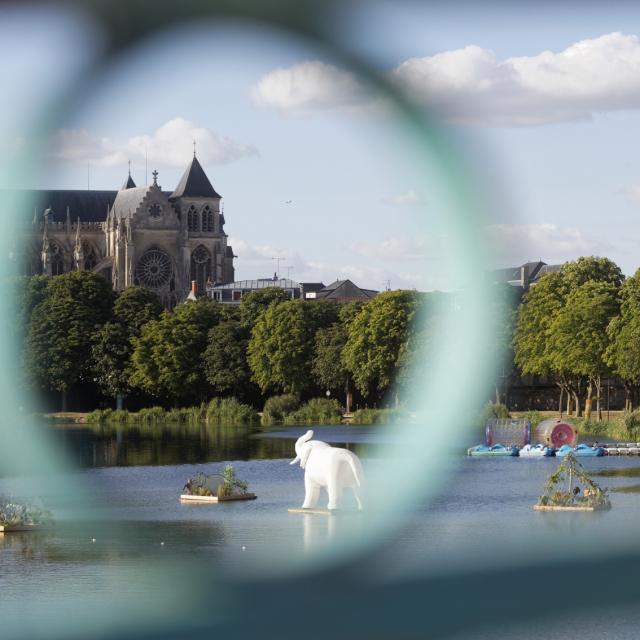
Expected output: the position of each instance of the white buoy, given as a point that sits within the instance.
(162, 544)
(244, 548)
(93, 539)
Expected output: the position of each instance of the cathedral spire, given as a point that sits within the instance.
(78, 237)
(194, 183)
(68, 220)
(128, 183)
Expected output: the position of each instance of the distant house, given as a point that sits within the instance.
(524, 276)
(342, 291)
(338, 291)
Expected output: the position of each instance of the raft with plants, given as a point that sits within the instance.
(22, 516)
(569, 488)
(217, 487)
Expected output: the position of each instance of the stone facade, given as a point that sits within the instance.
(144, 236)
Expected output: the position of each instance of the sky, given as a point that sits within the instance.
(540, 102)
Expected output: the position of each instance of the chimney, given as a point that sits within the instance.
(194, 291)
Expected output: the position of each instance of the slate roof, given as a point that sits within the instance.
(194, 183)
(128, 201)
(534, 271)
(341, 289)
(89, 206)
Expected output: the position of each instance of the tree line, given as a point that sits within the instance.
(579, 325)
(79, 333)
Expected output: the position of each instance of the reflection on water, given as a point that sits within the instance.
(92, 446)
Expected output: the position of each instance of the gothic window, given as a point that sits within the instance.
(200, 268)
(57, 260)
(193, 222)
(90, 257)
(207, 219)
(154, 269)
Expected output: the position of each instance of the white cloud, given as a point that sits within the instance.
(519, 243)
(393, 249)
(255, 261)
(409, 198)
(309, 86)
(171, 145)
(471, 86)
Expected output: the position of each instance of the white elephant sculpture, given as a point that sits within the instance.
(329, 467)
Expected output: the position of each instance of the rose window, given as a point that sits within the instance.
(154, 269)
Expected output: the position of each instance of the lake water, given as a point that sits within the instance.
(134, 476)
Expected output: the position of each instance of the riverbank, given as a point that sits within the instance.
(616, 427)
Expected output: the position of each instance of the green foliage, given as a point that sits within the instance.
(255, 303)
(316, 411)
(631, 420)
(167, 358)
(23, 513)
(282, 343)
(534, 418)
(225, 359)
(276, 408)
(150, 415)
(492, 410)
(379, 416)
(569, 485)
(134, 307)
(327, 366)
(230, 412)
(110, 355)
(58, 348)
(232, 481)
(375, 340)
(623, 333)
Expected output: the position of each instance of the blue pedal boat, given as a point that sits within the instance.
(494, 450)
(536, 451)
(581, 451)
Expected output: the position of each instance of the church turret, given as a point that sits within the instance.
(194, 183)
(128, 183)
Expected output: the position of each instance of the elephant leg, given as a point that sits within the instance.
(311, 493)
(334, 489)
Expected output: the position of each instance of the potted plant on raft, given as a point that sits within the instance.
(22, 516)
(216, 487)
(569, 488)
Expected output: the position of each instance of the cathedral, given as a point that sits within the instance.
(144, 236)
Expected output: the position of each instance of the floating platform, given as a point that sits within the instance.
(540, 507)
(17, 528)
(186, 497)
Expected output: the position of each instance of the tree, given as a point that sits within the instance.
(327, 366)
(537, 350)
(225, 360)
(254, 303)
(111, 345)
(167, 359)
(579, 333)
(376, 338)
(75, 306)
(282, 342)
(623, 332)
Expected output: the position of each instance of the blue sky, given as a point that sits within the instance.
(550, 136)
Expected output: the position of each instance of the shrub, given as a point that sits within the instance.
(316, 411)
(631, 420)
(230, 412)
(150, 415)
(534, 417)
(276, 408)
(492, 410)
(99, 416)
(378, 416)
